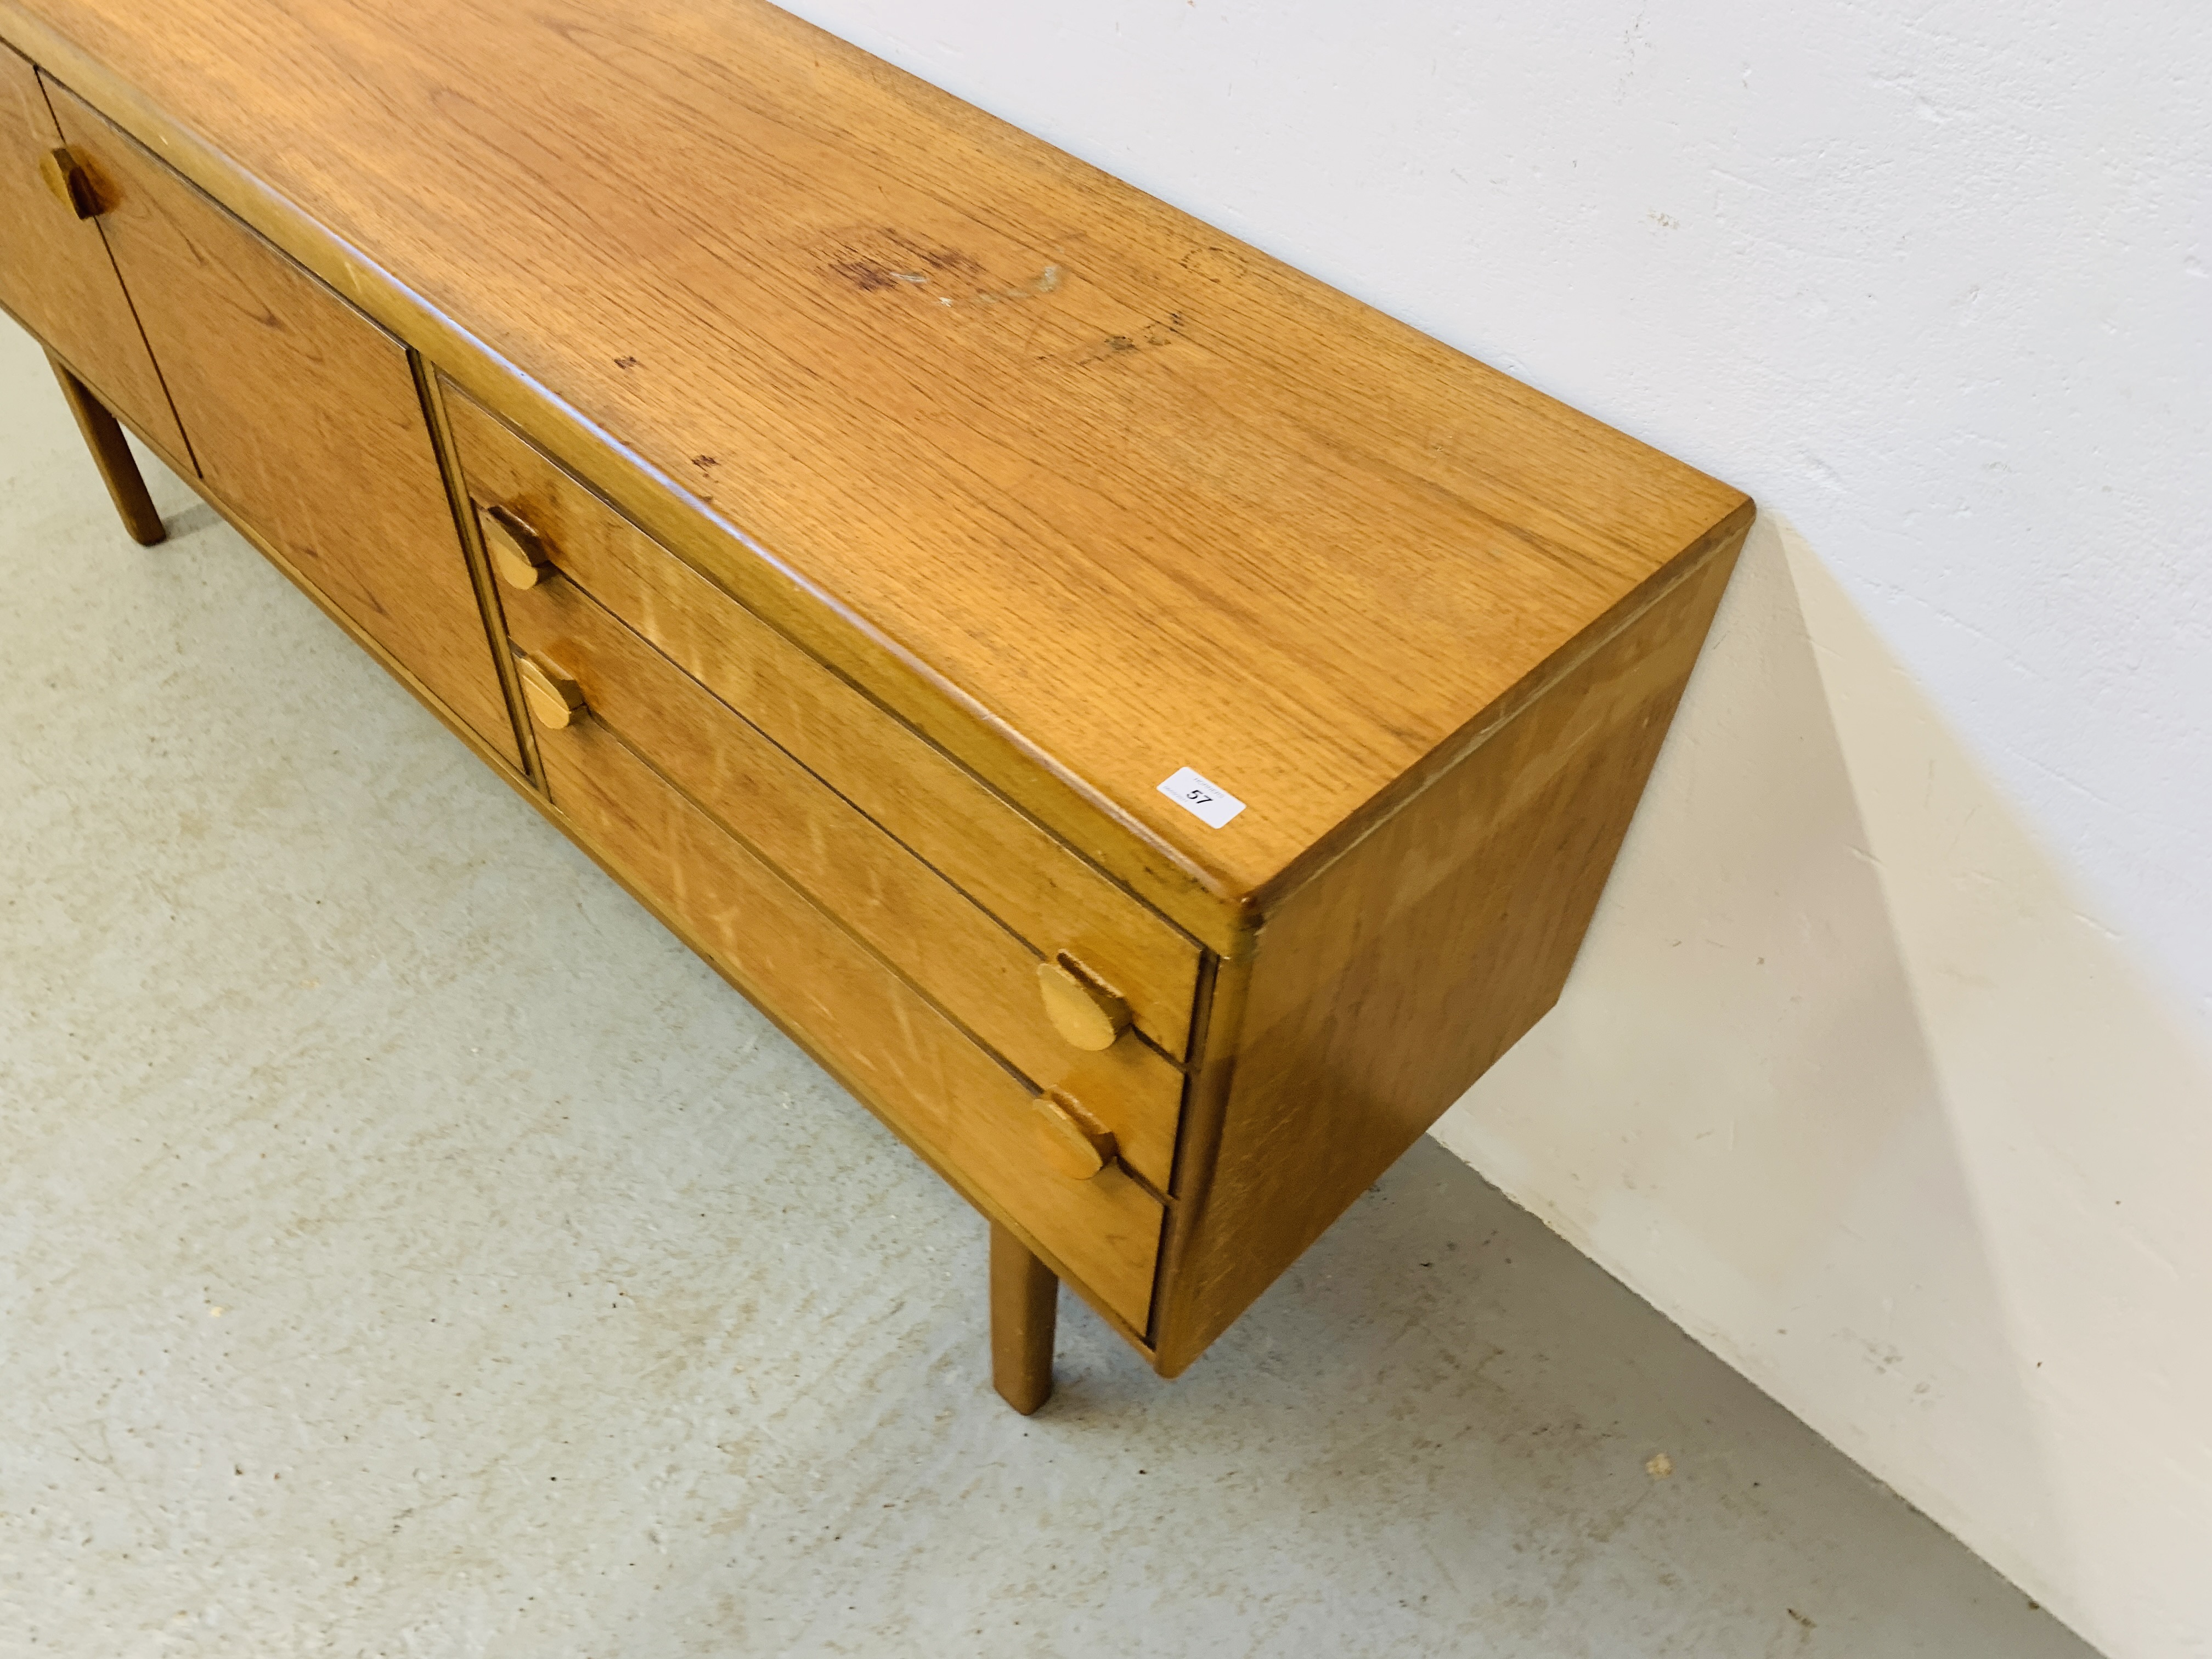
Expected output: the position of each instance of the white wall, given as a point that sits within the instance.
(1885, 1072)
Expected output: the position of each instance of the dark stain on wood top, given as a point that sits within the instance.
(1150, 497)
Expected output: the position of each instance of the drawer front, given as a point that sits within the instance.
(974, 970)
(56, 277)
(306, 421)
(1014, 869)
(950, 1099)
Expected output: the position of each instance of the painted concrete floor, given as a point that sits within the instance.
(407, 1248)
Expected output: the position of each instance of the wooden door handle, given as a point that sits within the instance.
(554, 697)
(1083, 1011)
(69, 183)
(1074, 1142)
(517, 552)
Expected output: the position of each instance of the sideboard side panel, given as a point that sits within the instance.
(1382, 989)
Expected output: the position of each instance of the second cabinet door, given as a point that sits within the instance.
(304, 417)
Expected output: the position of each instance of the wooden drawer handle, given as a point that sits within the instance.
(554, 697)
(69, 185)
(1083, 1011)
(1073, 1142)
(517, 552)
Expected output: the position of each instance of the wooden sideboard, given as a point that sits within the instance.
(1153, 727)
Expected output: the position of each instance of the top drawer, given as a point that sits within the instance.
(1066, 910)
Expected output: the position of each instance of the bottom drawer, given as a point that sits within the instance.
(950, 1099)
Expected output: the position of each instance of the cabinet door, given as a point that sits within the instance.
(305, 418)
(56, 277)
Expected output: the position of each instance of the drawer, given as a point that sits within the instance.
(998, 857)
(948, 1097)
(984, 977)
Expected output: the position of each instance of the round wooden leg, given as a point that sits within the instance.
(111, 453)
(1025, 1307)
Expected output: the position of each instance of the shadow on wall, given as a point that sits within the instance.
(1848, 1083)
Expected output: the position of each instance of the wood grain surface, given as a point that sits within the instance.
(57, 279)
(1382, 991)
(111, 454)
(1146, 497)
(902, 501)
(306, 418)
(1035, 885)
(957, 1106)
(500, 765)
(1025, 1310)
(976, 971)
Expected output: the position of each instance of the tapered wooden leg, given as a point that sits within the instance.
(1025, 1306)
(111, 453)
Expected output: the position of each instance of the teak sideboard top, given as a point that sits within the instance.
(1084, 489)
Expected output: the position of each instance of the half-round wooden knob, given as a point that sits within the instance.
(68, 183)
(554, 698)
(1081, 1009)
(517, 552)
(1073, 1142)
